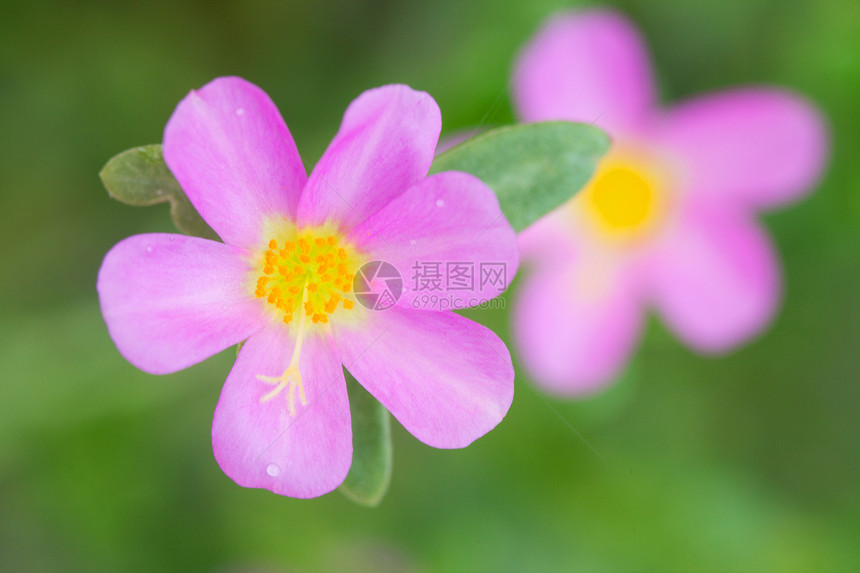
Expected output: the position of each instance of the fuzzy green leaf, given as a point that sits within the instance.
(140, 177)
(370, 473)
(533, 168)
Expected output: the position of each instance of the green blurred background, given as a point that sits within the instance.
(745, 463)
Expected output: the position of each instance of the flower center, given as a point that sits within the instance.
(308, 274)
(622, 198)
(303, 275)
(627, 196)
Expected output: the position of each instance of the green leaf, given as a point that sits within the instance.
(533, 168)
(140, 177)
(370, 473)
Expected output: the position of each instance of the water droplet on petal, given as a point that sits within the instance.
(440, 203)
(412, 241)
(240, 111)
(148, 248)
(273, 470)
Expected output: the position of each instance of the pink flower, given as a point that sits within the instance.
(282, 281)
(667, 221)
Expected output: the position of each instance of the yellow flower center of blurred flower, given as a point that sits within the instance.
(303, 274)
(622, 198)
(627, 196)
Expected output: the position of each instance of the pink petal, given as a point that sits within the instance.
(576, 323)
(447, 379)
(450, 223)
(590, 66)
(716, 281)
(384, 146)
(232, 153)
(453, 139)
(170, 301)
(552, 239)
(759, 147)
(259, 444)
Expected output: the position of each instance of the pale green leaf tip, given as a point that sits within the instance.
(367, 499)
(368, 488)
(370, 475)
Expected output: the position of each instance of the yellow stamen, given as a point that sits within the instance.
(304, 277)
(310, 272)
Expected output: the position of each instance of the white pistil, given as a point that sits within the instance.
(292, 377)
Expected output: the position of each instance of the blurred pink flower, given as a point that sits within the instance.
(668, 219)
(283, 276)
